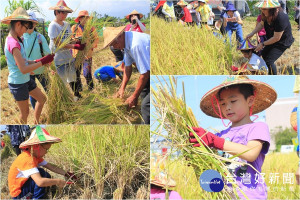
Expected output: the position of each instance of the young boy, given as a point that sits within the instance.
(255, 62)
(25, 178)
(204, 11)
(106, 73)
(236, 99)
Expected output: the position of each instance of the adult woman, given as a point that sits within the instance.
(135, 23)
(278, 32)
(36, 46)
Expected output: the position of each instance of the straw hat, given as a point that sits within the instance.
(265, 95)
(81, 14)
(230, 7)
(134, 12)
(19, 14)
(157, 174)
(111, 33)
(182, 3)
(246, 45)
(39, 136)
(61, 6)
(267, 4)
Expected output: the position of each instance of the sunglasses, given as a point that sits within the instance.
(29, 26)
(63, 12)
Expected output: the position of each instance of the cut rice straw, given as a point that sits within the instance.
(174, 117)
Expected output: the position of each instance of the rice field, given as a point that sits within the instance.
(177, 50)
(96, 107)
(109, 161)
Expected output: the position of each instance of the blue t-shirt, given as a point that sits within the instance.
(36, 52)
(15, 75)
(105, 73)
(137, 50)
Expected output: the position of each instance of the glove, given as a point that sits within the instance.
(46, 59)
(78, 42)
(234, 68)
(71, 175)
(79, 47)
(208, 138)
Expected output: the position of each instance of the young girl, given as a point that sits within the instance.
(236, 99)
(25, 177)
(77, 31)
(255, 63)
(64, 61)
(19, 82)
(232, 22)
(36, 46)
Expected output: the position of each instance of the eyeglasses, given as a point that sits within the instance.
(26, 27)
(63, 12)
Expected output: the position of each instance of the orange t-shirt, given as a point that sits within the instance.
(21, 169)
(79, 33)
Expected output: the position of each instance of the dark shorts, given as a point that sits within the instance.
(21, 91)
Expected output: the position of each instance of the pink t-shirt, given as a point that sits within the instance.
(158, 193)
(137, 28)
(262, 31)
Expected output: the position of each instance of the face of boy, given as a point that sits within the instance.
(235, 107)
(42, 150)
(62, 15)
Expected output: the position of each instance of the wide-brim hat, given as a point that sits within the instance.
(111, 33)
(203, 1)
(61, 6)
(134, 12)
(230, 7)
(81, 14)
(39, 136)
(182, 3)
(265, 95)
(158, 176)
(19, 14)
(267, 4)
(246, 45)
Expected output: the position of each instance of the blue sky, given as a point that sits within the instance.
(197, 86)
(116, 8)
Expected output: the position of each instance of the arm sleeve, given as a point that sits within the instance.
(141, 25)
(52, 32)
(12, 43)
(142, 60)
(44, 162)
(127, 59)
(46, 48)
(260, 131)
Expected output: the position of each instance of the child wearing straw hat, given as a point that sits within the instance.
(77, 31)
(255, 62)
(160, 181)
(26, 179)
(135, 23)
(36, 46)
(107, 73)
(236, 99)
(19, 67)
(136, 48)
(58, 31)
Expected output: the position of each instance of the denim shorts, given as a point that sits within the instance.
(21, 91)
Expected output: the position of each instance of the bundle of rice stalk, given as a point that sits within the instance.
(60, 100)
(88, 39)
(174, 117)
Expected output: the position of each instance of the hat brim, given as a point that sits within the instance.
(108, 43)
(261, 5)
(27, 143)
(7, 20)
(140, 14)
(265, 97)
(77, 19)
(66, 9)
(158, 183)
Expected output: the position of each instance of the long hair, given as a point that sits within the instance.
(273, 13)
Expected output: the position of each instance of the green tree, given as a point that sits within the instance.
(14, 4)
(284, 137)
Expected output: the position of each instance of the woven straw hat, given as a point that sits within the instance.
(134, 12)
(39, 136)
(182, 3)
(267, 4)
(265, 95)
(19, 14)
(61, 6)
(81, 14)
(158, 176)
(246, 45)
(111, 33)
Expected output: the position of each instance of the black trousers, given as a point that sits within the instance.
(145, 106)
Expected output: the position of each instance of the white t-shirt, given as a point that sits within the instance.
(258, 63)
(235, 14)
(137, 49)
(55, 30)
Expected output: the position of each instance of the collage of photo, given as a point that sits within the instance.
(83, 116)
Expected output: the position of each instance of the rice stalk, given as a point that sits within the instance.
(175, 118)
